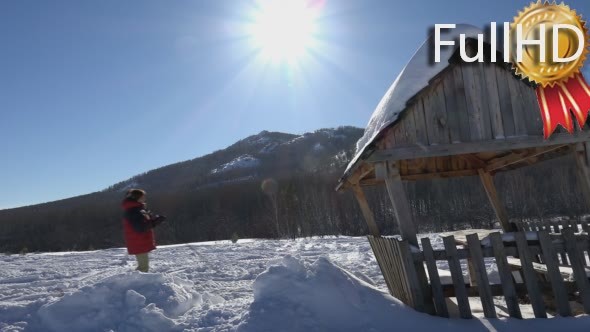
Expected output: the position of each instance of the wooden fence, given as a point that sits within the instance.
(552, 226)
(399, 270)
(528, 265)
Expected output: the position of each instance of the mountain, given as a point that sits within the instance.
(282, 185)
(207, 198)
(267, 154)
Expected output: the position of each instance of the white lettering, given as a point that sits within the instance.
(438, 43)
(579, 33)
(520, 42)
(493, 42)
(479, 56)
(506, 42)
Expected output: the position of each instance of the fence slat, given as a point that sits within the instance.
(400, 280)
(545, 225)
(457, 276)
(411, 275)
(508, 287)
(386, 253)
(440, 303)
(530, 278)
(379, 258)
(586, 229)
(564, 223)
(387, 265)
(578, 267)
(550, 259)
(483, 283)
(562, 256)
(393, 271)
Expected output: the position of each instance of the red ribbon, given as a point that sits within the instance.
(556, 103)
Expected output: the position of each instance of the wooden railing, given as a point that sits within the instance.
(553, 226)
(399, 270)
(528, 265)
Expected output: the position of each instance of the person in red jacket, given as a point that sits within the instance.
(138, 225)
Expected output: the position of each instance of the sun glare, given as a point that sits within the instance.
(284, 30)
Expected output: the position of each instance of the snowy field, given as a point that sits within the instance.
(329, 284)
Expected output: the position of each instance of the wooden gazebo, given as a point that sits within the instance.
(470, 119)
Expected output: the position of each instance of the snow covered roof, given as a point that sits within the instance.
(413, 78)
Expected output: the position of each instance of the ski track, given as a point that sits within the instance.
(222, 272)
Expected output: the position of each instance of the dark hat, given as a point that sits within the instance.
(135, 194)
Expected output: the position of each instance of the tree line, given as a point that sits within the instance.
(301, 205)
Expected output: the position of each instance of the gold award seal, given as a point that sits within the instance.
(561, 86)
(549, 72)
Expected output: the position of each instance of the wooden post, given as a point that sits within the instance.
(575, 255)
(559, 291)
(481, 275)
(530, 278)
(488, 183)
(403, 214)
(583, 165)
(437, 289)
(366, 210)
(457, 277)
(401, 206)
(508, 287)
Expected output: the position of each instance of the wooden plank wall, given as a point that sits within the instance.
(467, 103)
(400, 275)
(392, 264)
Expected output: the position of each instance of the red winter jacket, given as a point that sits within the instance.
(139, 233)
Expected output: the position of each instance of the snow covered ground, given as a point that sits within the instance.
(329, 284)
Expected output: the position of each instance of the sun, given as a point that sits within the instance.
(284, 30)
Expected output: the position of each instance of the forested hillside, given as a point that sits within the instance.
(281, 185)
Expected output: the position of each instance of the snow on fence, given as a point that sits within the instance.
(553, 226)
(528, 265)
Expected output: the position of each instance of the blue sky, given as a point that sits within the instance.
(94, 92)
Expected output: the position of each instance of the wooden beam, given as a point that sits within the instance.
(370, 182)
(581, 155)
(512, 143)
(355, 177)
(363, 171)
(423, 176)
(488, 183)
(439, 175)
(501, 162)
(477, 163)
(516, 158)
(366, 210)
(397, 195)
(473, 160)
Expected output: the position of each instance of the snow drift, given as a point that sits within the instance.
(256, 285)
(294, 296)
(125, 302)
